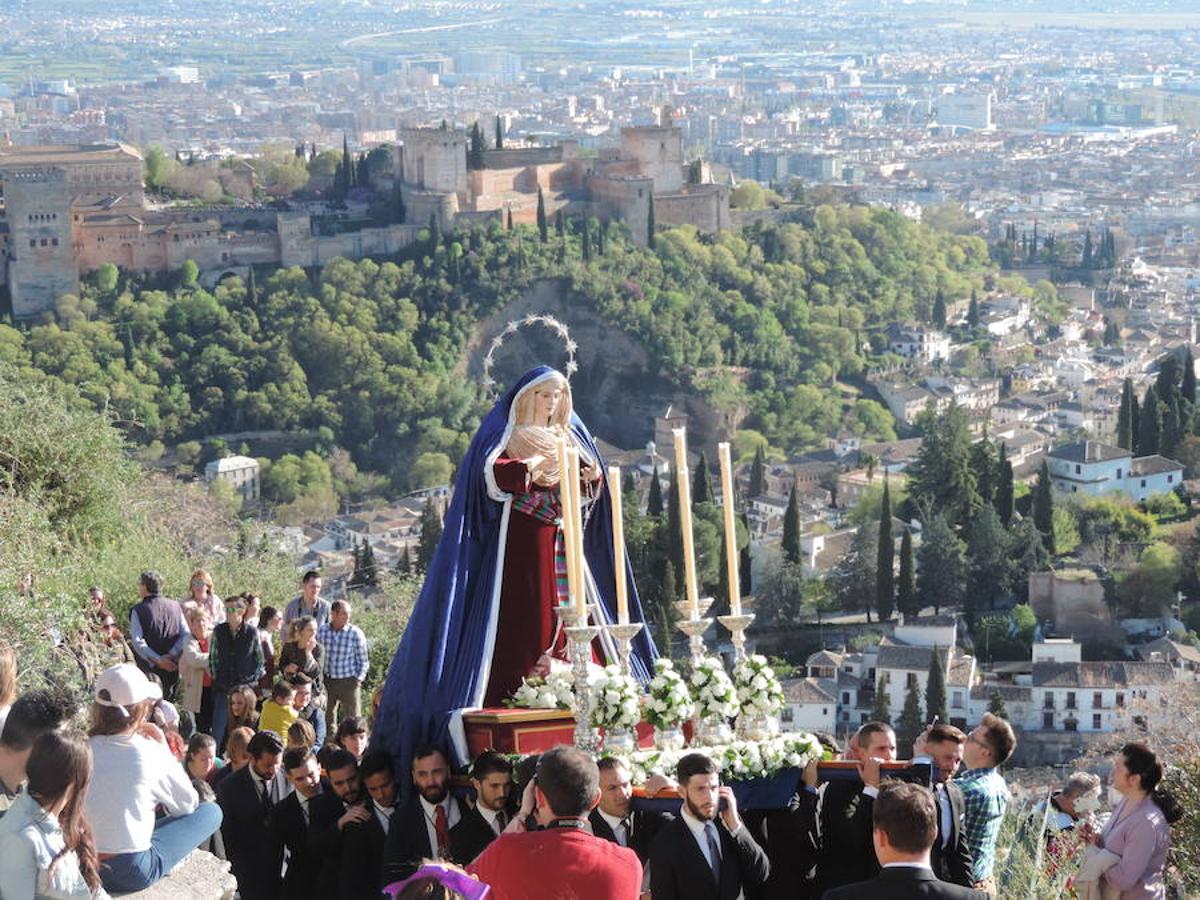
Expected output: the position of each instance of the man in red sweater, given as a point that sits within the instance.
(564, 859)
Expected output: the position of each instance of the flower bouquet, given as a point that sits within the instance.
(616, 707)
(759, 695)
(716, 700)
(553, 691)
(668, 705)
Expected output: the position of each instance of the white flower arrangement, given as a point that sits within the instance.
(616, 699)
(758, 690)
(553, 691)
(668, 700)
(715, 695)
(738, 761)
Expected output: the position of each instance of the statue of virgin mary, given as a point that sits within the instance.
(487, 615)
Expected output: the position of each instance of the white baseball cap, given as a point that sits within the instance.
(126, 685)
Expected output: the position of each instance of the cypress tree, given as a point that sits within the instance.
(347, 165)
(560, 225)
(251, 288)
(791, 529)
(996, 705)
(1004, 488)
(1150, 424)
(1086, 261)
(935, 690)
(404, 565)
(510, 224)
(602, 238)
(431, 533)
(758, 473)
(1172, 427)
(910, 724)
(1187, 387)
(973, 312)
(586, 241)
(499, 133)
(370, 572)
(1043, 508)
(983, 464)
(543, 230)
(885, 579)
(356, 572)
(650, 224)
(939, 309)
(906, 587)
(881, 709)
(702, 491)
(1125, 417)
(654, 499)
(746, 562)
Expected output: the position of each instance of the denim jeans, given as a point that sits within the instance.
(220, 717)
(174, 838)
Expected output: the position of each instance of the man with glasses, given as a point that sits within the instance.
(235, 660)
(985, 793)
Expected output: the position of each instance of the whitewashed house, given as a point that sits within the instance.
(1090, 467)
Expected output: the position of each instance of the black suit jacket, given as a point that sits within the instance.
(252, 856)
(789, 838)
(953, 863)
(646, 826)
(470, 837)
(325, 843)
(408, 839)
(847, 849)
(679, 870)
(362, 859)
(289, 830)
(904, 883)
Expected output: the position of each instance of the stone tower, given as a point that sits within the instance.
(41, 265)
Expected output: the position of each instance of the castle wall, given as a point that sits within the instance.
(627, 199)
(434, 159)
(705, 206)
(520, 157)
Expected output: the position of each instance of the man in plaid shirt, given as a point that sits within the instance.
(985, 793)
(345, 663)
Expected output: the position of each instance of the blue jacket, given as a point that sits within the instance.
(29, 840)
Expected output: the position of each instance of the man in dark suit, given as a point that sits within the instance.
(363, 842)
(615, 819)
(700, 856)
(942, 745)
(247, 798)
(491, 774)
(846, 807)
(329, 815)
(904, 829)
(288, 825)
(425, 820)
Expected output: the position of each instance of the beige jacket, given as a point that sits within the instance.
(193, 666)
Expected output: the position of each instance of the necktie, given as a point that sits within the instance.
(714, 850)
(266, 798)
(501, 822)
(441, 827)
(943, 799)
(624, 831)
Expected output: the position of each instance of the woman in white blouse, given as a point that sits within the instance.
(135, 772)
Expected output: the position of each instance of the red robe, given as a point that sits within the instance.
(558, 863)
(528, 595)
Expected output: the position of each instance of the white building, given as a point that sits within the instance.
(966, 110)
(921, 344)
(808, 705)
(239, 471)
(1096, 696)
(1090, 467)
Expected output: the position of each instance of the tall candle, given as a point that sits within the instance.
(731, 555)
(568, 520)
(618, 530)
(684, 486)
(577, 533)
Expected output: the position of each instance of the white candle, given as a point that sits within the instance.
(685, 520)
(568, 520)
(731, 555)
(618, 530)
(577, 534)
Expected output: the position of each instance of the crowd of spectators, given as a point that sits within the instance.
(205, 733)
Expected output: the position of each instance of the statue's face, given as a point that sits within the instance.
(546, 400)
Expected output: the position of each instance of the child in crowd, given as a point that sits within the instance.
(278, 714)
(353, 735)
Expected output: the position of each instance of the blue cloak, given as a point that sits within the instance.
(442, 665)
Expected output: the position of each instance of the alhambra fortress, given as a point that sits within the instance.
(68, 209)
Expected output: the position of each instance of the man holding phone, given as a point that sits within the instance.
(707, 853)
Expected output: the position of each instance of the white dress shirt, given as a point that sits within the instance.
(452, 817)
(617, 826)
(383, 814)
(489, 815)
(696, 827)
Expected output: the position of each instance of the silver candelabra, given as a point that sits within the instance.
(579, 647)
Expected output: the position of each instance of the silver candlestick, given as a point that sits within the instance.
(694, 628)
(579, 647)
(624, 635)
(737, 626)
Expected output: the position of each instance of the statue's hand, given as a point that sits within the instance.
(542, 668)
